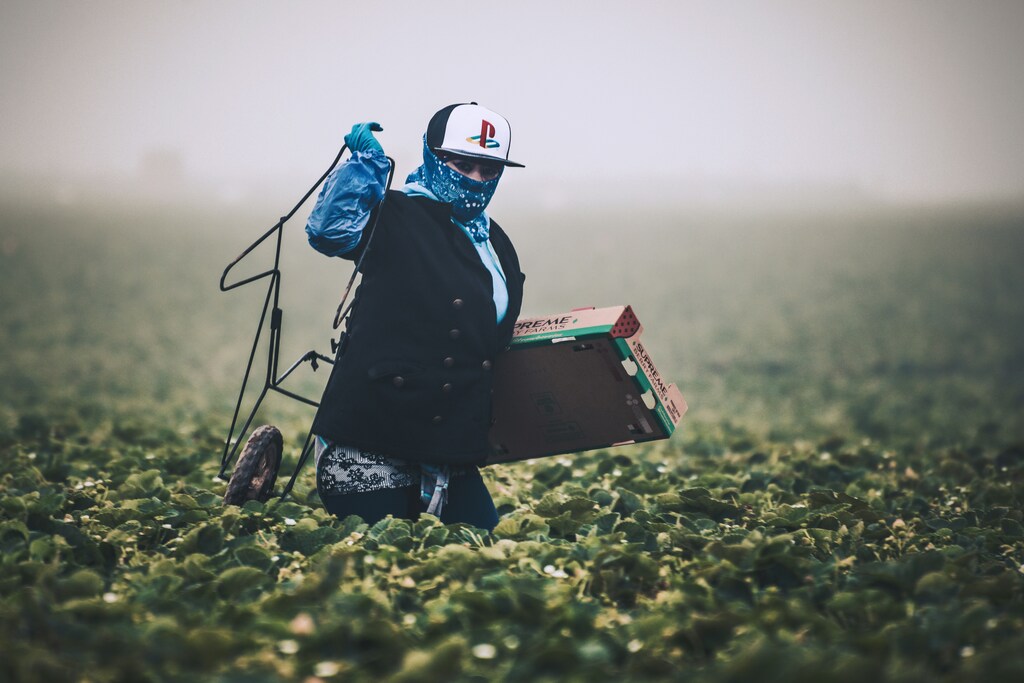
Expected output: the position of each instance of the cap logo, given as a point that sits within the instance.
(484, 139)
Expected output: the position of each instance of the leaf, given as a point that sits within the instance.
(241, 582)
(207, 539)
(80, 584)
(143, 485)
(254, 556)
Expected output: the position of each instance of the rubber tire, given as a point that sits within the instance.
(256, 470)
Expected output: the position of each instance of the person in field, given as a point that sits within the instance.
(402, 426)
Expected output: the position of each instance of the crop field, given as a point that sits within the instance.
(844, 500)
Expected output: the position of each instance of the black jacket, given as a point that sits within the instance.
(413, 380)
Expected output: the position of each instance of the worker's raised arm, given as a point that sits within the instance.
(349, 194)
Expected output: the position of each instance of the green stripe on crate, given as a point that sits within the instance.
(645, 385)
(557, 334)
(663, 418)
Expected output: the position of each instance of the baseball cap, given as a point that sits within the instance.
(470, 130)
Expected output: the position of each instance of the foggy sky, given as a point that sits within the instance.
(912, 100)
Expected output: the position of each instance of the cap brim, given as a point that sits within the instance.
(481, 157)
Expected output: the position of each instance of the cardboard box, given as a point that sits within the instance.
(578, 381)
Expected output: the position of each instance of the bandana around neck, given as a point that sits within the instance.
(469, 198)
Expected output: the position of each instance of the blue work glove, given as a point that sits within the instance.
(361, 138)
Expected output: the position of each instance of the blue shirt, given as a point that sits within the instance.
(348, 197)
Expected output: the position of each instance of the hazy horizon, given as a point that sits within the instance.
(908, 101)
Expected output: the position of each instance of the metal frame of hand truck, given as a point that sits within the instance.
(273, 380)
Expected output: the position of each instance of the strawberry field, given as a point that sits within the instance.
(844, 501)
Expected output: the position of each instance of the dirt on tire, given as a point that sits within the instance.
(256, 470)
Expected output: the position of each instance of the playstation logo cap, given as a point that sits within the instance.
(470, 130)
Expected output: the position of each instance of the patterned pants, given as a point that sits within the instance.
(469, 501)
(354, 482)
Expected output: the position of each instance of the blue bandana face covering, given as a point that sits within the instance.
(468, 197)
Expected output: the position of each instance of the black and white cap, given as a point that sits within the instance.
(469, 130)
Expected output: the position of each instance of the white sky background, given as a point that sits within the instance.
(907, 100)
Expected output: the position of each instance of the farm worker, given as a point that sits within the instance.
(402, 426)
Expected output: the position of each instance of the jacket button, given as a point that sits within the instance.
(454, 333)
(446, 387)
(486, 365)
(457, 303)
(398, 381)
(448, 362)
(436, 420)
